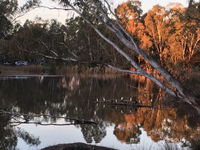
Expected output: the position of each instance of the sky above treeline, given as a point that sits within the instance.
(62, 15)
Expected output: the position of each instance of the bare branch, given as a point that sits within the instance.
(117, 22)
(152, 78)
(48, 56)
(110, 9)
(57, 58)
(125, 71)
(22, 13)
(55, 8)
(20, 118)
(72, 53)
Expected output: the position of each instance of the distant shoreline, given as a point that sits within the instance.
(56, 70)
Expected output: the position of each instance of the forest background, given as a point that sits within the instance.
(170, 34)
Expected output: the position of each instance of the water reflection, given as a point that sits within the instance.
(41, 100)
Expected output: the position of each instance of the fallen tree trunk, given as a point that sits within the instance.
(101, 10)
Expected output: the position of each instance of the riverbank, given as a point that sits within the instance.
(63, 70)
(59, 70)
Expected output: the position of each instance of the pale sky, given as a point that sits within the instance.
(62, 15)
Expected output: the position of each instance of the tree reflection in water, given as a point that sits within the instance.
(9, 134)
(75, 97)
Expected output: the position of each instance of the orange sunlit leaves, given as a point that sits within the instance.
(163, 31)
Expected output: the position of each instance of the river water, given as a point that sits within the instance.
(116, 112)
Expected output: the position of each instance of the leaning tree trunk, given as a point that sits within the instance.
(101, 11)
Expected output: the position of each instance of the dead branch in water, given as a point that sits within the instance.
(20, 118)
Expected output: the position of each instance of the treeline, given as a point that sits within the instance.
(49, 41)
(171, 34)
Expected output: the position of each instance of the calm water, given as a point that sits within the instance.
(39, 111)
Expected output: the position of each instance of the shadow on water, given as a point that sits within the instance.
(113, 101)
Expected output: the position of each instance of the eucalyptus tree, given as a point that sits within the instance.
(130, 15)
(9, 12)
(99, 12)
(37, 40)
(193, 10)
(7, 9)
(86, 46)
(102, 11)
(157, 28)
